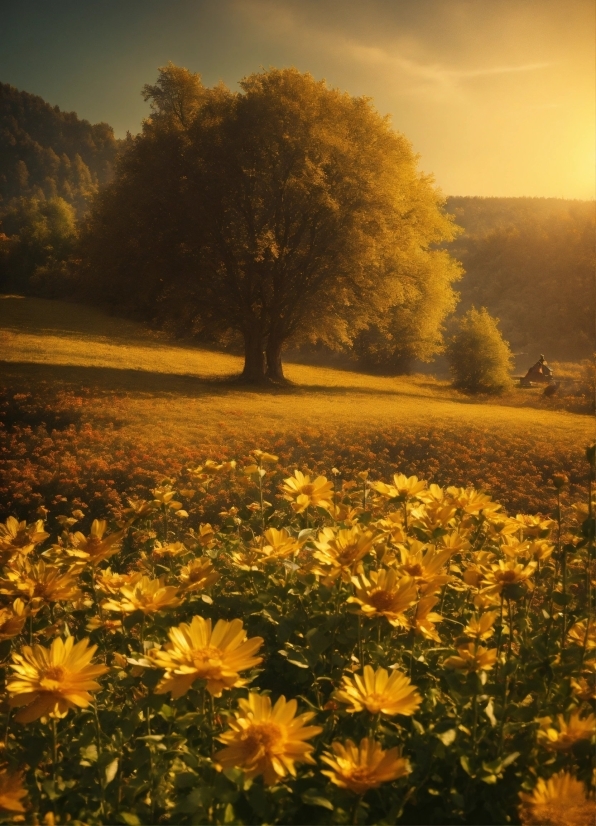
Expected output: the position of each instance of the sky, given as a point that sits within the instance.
(497, 97)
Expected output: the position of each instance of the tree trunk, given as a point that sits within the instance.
(254, 357)
(275, 371)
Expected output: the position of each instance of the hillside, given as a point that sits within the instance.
(89, 400)
(47, 153)
(530, 262)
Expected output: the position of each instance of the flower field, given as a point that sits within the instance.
(239, 642)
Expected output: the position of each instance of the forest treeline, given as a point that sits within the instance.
(46, 153)
(529, 261)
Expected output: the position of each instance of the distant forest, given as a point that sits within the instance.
(529, 261)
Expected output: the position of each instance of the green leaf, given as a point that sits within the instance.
(129, 818)
(447, 737)
(312, 798)
(561, 599)
(111, 771)
(465, 764)
(90, 753)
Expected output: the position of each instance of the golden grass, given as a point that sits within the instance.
(156, 387)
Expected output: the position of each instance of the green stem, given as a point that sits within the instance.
(54, 748)
(357, 802)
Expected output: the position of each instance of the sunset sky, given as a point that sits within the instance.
(497, 96)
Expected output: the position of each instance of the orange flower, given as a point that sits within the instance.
(198, 575)
(472, 657)
(195, 652)
(19, 537)
(51, 681)
(403, 487)
(95, 547)
(559, 801)
(12, 620)
(146, 595)
(377, 692)
(340, 552)
(424, 619)
(268, 741)
(364, 767)
(11, 792)
(304, 492)
(383, 594)
(567, 731)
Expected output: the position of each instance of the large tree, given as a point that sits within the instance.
(287, 210)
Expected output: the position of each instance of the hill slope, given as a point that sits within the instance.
(45, 152)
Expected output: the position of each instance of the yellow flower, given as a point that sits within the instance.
(472, 658)
(577, 634)
(363, 767)
(110, 582)
(302, 492)
(276, 544)
(393, 525)
(377, 692)
(51, 681)
(472, 501)
(482, 627)
(502, 576)
(259, 457)
(169, 549)
(536, 526)
(109, 626)
(340, 552)
(477, 568)
(146, 595)
(41, 584)
(268, 741)
(95, 547)
(384, 594)
(430, 516)
(12, 620)
(198, 653)
(19, 537)
(403, 487)
(584, 688)
(562, 800)
(11, 792)
(567, 732)
(424, 564)
(424, 619)
(198, 575)
(540, 550)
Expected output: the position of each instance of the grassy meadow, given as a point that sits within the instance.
(174, 623)
(111, 394)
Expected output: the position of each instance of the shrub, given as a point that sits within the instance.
(479, 358)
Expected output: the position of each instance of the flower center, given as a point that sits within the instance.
(360, 774)
(381, 600)
(508, 576)
(207, 659)
(263, 737)
(53, 677)
(414, 570)
(307, 490)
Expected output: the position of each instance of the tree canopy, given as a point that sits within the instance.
(286, 211)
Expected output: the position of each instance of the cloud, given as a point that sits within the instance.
(409, 75)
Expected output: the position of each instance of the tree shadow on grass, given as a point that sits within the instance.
(104, 380)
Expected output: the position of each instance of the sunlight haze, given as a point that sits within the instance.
(496, 97)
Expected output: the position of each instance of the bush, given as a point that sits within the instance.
(479, 358)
